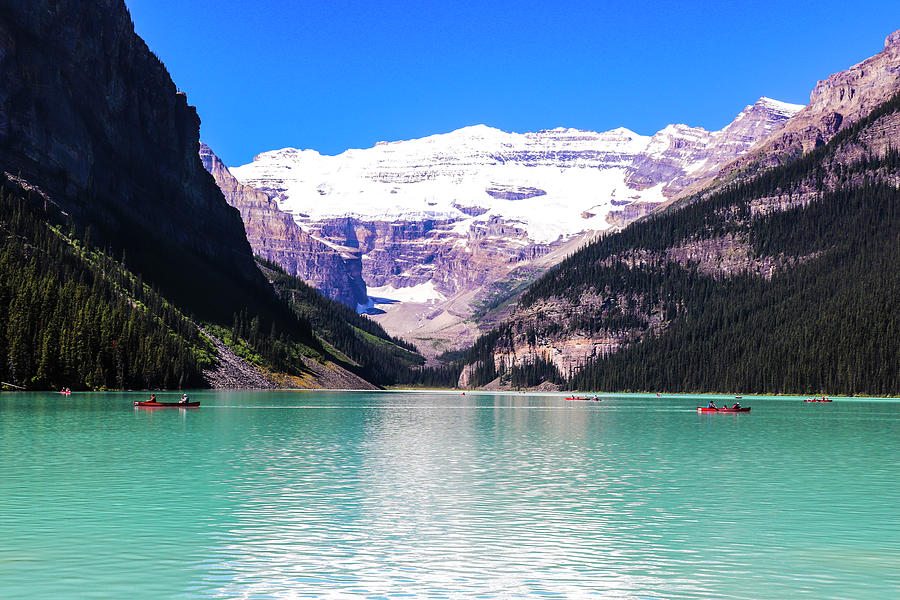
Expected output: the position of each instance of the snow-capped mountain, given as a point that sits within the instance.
(554, 183)
(461, 214)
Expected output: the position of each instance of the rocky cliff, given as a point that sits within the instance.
(834, 104)
(839, 101)
(274, 235)
(678, 156)
(90, 115)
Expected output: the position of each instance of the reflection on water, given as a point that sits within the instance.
(429, 495)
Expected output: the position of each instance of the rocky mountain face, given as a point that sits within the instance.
(91, 117)
(275, 236)
(841, 100)
(679, 156)
(834, 104)
(446, 224)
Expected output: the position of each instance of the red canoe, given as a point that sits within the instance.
(704, 409)
(164, 404)
(585, 399)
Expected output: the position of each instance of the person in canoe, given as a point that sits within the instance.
(152, 398)
(184, 399)
(712, 405)
(736, 405)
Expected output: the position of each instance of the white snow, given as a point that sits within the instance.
(419, 294)
(579, 173)
(782, 107)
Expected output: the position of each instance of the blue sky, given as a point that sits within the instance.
(332, 75)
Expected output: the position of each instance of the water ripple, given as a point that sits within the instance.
(439, 496)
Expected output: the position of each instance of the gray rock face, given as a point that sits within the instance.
(410, 253)
(835, 103)
(679, 156)
(91, 116)
(274, 235)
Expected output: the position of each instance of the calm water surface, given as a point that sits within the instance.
(439, 495)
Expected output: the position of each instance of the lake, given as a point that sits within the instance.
(443, 495)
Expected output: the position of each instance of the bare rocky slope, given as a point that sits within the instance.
(275, 236)
(836, 103)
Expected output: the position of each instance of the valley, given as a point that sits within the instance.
(758, 255)
(469, 217)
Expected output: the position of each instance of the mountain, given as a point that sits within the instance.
(783, 281)
(451, 223)
(275, 236)
(121, 264)
(836, 103)
(90, 116)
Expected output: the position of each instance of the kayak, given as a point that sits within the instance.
(704, 409)
(164, 404)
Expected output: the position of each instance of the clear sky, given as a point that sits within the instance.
(338, 74)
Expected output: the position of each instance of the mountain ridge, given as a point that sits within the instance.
(101, 182)
(463, 211)
(836, 102)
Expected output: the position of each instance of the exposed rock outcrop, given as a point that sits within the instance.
(834, 104)
(678, 156)
(274, 235)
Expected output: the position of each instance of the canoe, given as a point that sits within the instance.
(165, 404)
(585, 399)
(703, 409)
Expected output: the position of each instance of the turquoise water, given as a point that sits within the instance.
(439, 495)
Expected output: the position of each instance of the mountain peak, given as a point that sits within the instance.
(784, 108)
(892, 40)
(479, 129)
